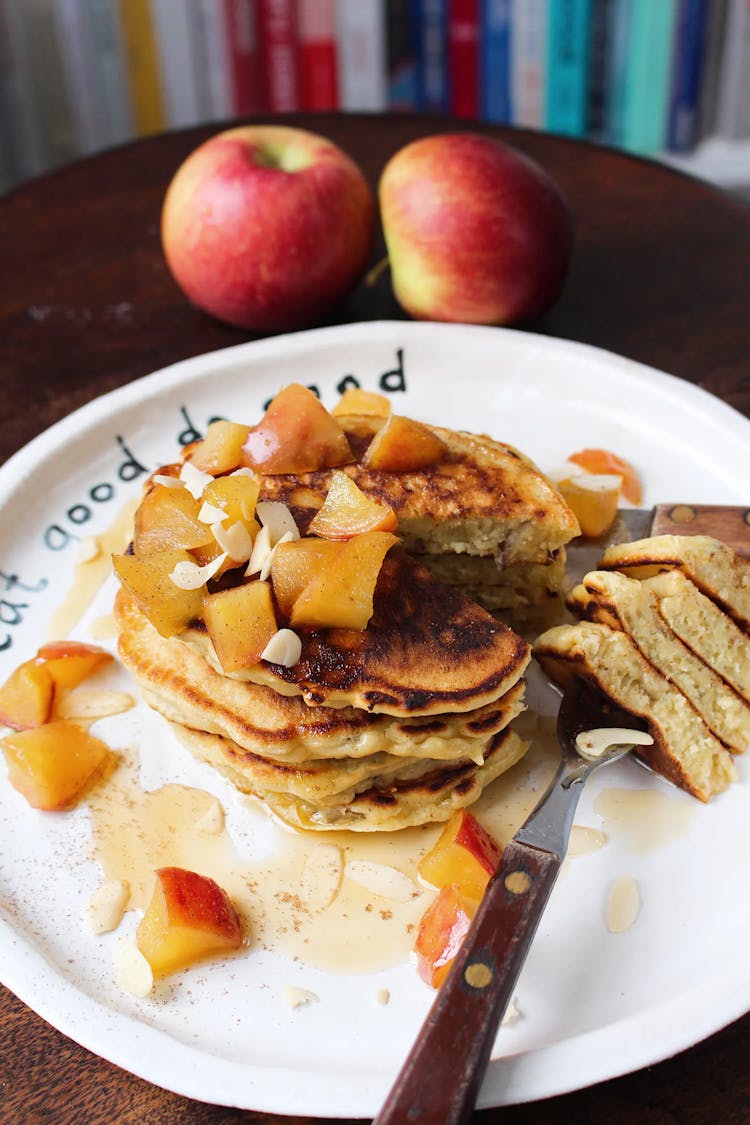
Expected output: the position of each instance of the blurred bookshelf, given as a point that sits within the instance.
(666, 79)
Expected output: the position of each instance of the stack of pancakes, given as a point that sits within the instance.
(484, 519)
(407, 720)
(665, 634)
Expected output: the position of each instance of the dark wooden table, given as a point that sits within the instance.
(661, 273)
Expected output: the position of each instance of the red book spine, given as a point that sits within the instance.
(317, 54)
(463, 57)
(277, 25)
(240, 19)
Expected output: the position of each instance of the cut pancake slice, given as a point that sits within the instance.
(427, 649)
(714, 568)
(178, 683)
(431, 795)
(624, 603)
(685, 751)
(701, 625)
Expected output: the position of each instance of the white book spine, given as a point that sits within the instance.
(80, 70)
(214, 37)
(109, 61)
(361, 32)
(733, 110)
(173, 25)
(528, 62)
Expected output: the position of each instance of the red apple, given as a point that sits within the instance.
(476, 232)
(267, 227)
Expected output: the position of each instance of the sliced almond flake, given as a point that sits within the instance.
(383, 996)
(132, 971)
(86, 703)
(211, 820)
(295, 997)
(381, 879)
(107, 905)
(284, 648)
(210, 513)
(236, 540)
(595, 482)
(90, 549)
(167, 481)
(321, 876)
(195, 480)
(512, 1013)
(260, 553)
(278, 519)
(244, 472)
(265, 570)
(189, 576)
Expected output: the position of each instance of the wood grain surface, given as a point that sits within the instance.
(660, 273)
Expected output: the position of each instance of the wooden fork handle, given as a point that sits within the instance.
(440, 1079)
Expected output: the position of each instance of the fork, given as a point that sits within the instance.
(439, 1082)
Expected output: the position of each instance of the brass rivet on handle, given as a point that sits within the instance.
(478, 975)
(682, 514)
(517, 882)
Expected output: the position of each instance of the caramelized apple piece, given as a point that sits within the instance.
(240, 623)
(341, 597)
(602, 461)
(296, 435)
(594, 498)
(70, 662)
(26, 696)
(356, 401)
(221, 449)
(147, 578)
(167, 520)
(237, 497)
(402, 446)
(50, 766)
(295, 564)
(464, 855)
(347, 512)
(188, 919)
(443, 927)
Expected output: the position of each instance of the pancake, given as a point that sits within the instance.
(684, 751)
(483, 498)
(714, 568)
(431, 795)
(427, 649)
(178, 683)
(624, 603)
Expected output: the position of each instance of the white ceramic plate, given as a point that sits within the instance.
(594, 1004)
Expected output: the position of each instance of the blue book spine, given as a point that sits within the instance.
(687, 68)
(495, 60)
(430, 24)
(568, 48)
(597, 86)
(647, 75)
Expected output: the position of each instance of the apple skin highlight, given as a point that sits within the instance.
(476, 232)
(267, 227)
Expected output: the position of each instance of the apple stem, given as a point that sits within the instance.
(373, 275)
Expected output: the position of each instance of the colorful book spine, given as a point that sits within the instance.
(711, 70)
(733, 110)
(74, 35)
(142, 61)
(431, 50)
(496, 60)
(108, 57)
(211, 59)
(687, 64)
(600, 46)
(316, 25)
(528, 62)
(277, 26)
(647, 75)
(241, 20)
(361, 33)
(566, 85)
(463, 57)
(51, 90)
(403, 52)
(618, 35)
(176, 45)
